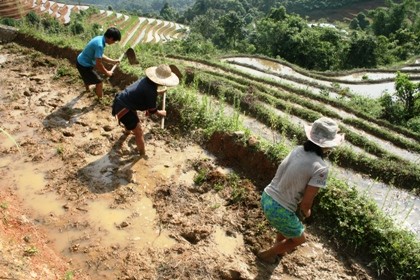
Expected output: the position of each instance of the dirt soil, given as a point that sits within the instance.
(76, 201)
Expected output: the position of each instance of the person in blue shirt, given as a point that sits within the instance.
(91, 59)
(142, 96)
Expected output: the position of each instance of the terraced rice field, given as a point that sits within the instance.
(14, 8)
(135, 30)
(272, 99)
(280, 89)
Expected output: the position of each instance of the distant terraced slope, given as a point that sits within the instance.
(14, 8)
(144, 30)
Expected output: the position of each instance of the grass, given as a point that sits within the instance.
(352, 219)
(30, 251)
(4, 132)
(69, 275)
(363, 229)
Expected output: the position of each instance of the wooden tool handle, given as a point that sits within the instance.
(115, 65)
(163, 108)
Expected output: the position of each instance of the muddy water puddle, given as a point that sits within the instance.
(226, 243)
(135, 226)
(27, 179)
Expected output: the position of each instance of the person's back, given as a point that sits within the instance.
(296, 171)
(296, 183)
(94, 49)
(141, 95)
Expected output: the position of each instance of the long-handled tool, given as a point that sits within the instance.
(115, 65)
(178, 73)
(131, 56)
(162, 125)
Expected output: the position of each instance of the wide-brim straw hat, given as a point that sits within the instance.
(324, 133)
(162, 75)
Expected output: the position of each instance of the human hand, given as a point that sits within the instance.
(161, 113)
(306, 212)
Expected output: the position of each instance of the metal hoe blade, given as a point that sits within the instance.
(176, 71)
(131, 56)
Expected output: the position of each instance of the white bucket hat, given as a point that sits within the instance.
(323, 132)
(162, 75)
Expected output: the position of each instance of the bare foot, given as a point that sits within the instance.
(267, 258)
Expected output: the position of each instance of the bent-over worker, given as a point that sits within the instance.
(142, 96)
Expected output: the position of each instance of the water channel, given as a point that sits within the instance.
(368, 90)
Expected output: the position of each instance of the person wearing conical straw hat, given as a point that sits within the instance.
(142, 96)
(289, 196)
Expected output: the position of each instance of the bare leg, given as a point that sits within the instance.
(280, 237)
(98, 89)
(87, 88)
(279, 248)
(138, 132)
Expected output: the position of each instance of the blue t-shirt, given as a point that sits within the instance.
(141, 96)
(93, 50)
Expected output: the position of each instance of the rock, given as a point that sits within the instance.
(68, 133)
(107, 128)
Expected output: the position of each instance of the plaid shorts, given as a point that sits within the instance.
(284, 221)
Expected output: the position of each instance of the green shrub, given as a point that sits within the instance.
(355, 221)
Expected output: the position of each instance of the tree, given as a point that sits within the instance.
(232, 25)
(392, 111)
(168, 13)
(278, 14)
(362, 20)
(407, 92)
(388, 20)
(361, 51)
(403, 107)
(33, 18)
(354, 24)
(207, 25)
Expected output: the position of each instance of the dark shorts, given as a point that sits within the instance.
(89, 75)
(129, 120)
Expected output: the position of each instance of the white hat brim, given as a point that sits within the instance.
(338, 139)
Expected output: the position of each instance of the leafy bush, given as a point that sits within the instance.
(357, 222)
(414, 124)
(9, 22)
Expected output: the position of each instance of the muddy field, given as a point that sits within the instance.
(77, 202)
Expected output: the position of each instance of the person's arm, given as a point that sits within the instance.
(110, 60)
(308, 199)
(102, 68)
(161, 113)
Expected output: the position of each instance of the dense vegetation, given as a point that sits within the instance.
(383, 36)
(348, 218)
(139, 7)
(386, 35)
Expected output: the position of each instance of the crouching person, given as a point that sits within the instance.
(297, 181)
(142, 96)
